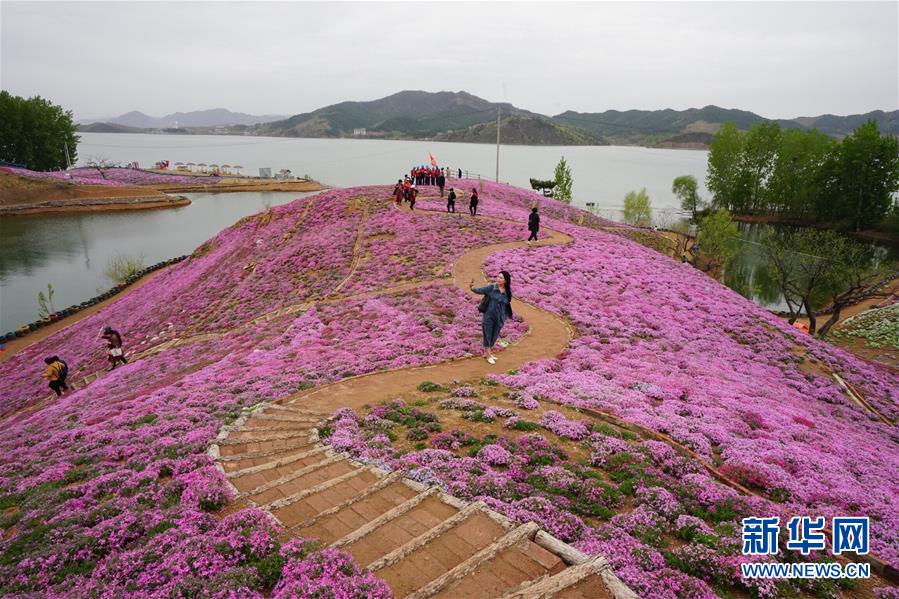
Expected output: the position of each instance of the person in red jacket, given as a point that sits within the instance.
(398, 192)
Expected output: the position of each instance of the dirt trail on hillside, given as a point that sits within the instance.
(547, 336)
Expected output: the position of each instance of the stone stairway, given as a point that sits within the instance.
(421, 541)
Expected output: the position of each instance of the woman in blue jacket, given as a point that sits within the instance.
(496, 307)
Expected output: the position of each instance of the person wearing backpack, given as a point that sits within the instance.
(56, 373)
(496, 306)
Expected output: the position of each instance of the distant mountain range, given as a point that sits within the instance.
(213, 117)
(463, 117)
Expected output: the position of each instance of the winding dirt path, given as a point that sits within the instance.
(547, 336)
(423, 542)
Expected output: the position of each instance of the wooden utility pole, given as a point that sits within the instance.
(68, 161)
(497, 144)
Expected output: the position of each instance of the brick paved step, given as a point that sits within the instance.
(575, 579)
(267, 479)
(236, 453)
(294, 479)
(304, 504)
(242, 462)
(426, 558)
(330, 525)
(506, 569)
(403, 527)
(250, 437)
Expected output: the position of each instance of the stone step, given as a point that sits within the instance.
(428, 557)
(469, 566)
(550, 586)
(287, 501)
(281, 426)
(403, 528)
(240, 456)
(312, 505)
(384, 518)
(276, 408)
(245, 438)
(278, 462)
(339, 520)
(226, 452)
(239, 462)
(265, 416)
(292, 479)
(508, 569)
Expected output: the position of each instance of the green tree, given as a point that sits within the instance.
(795, 184)
(818, 268)
(563, 182)
(718, 240)
(859, 178)
(637, 208)
(725, 178)
(35, 133)
(685, 189)
(760, 147)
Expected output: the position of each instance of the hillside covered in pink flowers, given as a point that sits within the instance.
(109, 491)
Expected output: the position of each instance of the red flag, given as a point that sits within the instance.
(433, 161)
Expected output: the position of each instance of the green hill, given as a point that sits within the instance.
(518, 130)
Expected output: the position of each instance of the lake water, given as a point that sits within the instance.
(602, 174)
(72, 251)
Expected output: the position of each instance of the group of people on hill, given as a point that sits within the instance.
(428, 175)
(58, 370)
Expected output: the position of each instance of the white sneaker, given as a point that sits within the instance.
(492, 360)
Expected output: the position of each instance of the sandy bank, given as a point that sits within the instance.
(237, 184)
(107, 204)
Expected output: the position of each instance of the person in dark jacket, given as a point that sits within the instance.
(56, 373)
(533, 224)
(498, 300)
(460, 173)
(451, 201)
(441, 182)
(413, 193)
(116, 353)
(473, 202)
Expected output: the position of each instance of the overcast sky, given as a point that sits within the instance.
(776, 59)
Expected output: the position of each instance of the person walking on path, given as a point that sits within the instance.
(114, 344)
(496, 306)
(533, 224)
(413, 192)
(451, 201)
(441, 182)
(473, 202)
(398, 192)
(56, 373)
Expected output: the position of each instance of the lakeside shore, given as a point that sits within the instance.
(28, 196)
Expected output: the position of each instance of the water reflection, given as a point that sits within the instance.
(749, 275)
